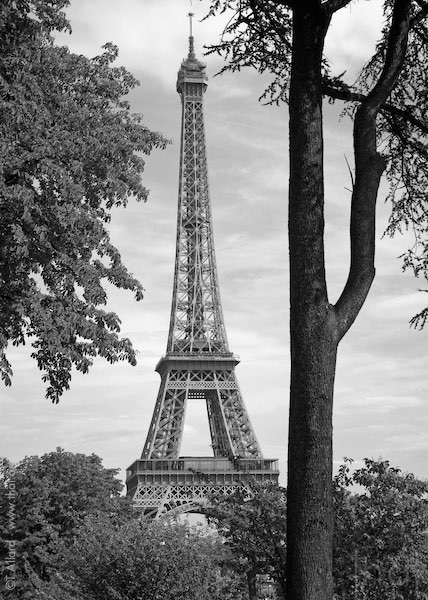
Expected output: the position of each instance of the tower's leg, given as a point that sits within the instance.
(231, 431)
(166, 428)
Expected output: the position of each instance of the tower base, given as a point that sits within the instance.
(160, 486)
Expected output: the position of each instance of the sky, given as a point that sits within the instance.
(382, 379)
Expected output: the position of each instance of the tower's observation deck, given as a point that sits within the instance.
(198, 364)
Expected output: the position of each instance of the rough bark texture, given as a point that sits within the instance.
(312, 324)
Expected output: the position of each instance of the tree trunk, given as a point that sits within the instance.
(312, 325)
(252, 584)
(316, 327)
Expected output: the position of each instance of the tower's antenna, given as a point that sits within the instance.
(191, 44)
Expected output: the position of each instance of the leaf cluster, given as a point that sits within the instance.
(379, 549)
(258, 35)
(254, 528)
(70, 150)
(144, 559)
(76, 538)
(380, 515)
(50, 497)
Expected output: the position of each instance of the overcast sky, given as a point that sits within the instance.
(382, 380)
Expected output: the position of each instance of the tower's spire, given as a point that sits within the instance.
(191, 39)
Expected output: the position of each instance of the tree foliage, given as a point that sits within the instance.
(380, 515)
(44, 502)
(253, 526)
(70, 150)
(379, 549)
(147, 559)
(75, 538)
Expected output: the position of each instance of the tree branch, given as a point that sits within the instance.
(286, 3)
(395, 55)
(422, 3)
(422, 34)
(369, 167)
(331, 6)
(347, 94)
(420, 16)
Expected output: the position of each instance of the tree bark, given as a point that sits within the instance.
(312, 325)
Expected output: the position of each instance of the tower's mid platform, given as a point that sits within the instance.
(185, 484)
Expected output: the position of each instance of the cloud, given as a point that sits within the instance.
(352, 37)
(381, 382)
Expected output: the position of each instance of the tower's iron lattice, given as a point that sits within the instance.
(198, 363)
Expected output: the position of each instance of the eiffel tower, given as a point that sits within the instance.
(198, 364)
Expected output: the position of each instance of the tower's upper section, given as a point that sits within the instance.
(192, 71)
(196, 326)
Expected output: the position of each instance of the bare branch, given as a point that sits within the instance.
(350, 173)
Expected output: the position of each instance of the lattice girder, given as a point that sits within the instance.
(159, 486)
(156, 501)
(209, 379)
(196, 317)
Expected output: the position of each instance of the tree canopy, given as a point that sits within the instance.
(380, 515)
(379, 547)
(76, 538)
(51, 496)
(253, 526)
(70, 150)
(65, 532)
(147, 559)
